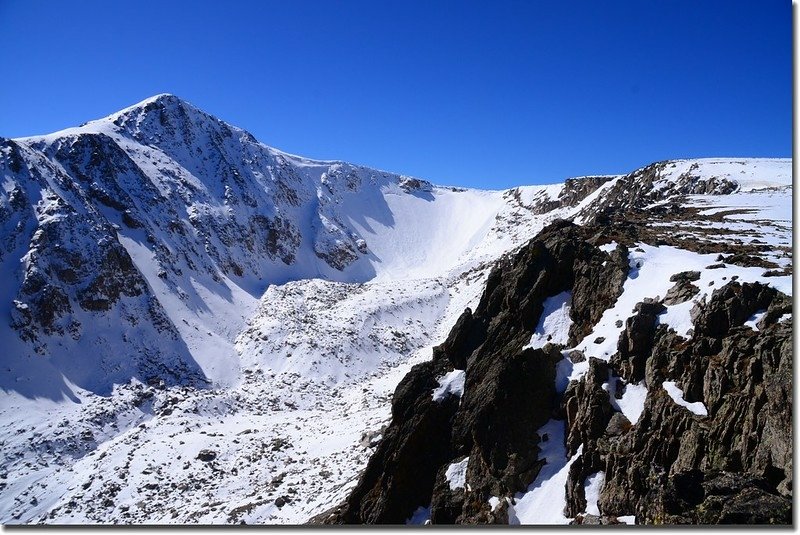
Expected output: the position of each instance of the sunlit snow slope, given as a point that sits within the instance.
(200, 328)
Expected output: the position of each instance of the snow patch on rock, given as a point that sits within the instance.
(554, 323)
(450, 384)
(592, 487)
(456, 474)
(631, 404)
(676, 394)
(545, 499)
(752, 322)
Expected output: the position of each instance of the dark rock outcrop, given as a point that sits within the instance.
(733, 465)
(636, 341)
(683, 289)
(574, 191)
(730, 462)
(587, 406)
(597, 283)
(636, 190)
(509, 391)
(402, 471)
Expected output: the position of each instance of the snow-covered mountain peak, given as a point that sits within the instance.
(166, 118)
(166, 102)
(162, 246)
(178, 222)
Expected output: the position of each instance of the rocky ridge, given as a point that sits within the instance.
(712, 443)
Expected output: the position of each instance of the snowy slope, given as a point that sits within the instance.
(172, 285)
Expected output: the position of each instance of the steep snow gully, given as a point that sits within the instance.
(198, 328)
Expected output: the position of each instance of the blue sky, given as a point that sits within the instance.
(483, 94)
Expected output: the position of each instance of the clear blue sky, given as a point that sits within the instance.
(485, 94)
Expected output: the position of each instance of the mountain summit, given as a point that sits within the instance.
(190, 316)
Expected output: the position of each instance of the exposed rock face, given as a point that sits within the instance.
(397, 476)
(597, 284)
(509, 392)
(644, 187)
(730, 462)
(636, 342)
(575, 190)
(733, 465)
(683, 289)
(587, 407)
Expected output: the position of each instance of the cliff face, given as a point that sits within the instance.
(671, 428)
(728, 458)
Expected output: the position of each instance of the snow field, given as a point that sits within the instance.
(301, 358)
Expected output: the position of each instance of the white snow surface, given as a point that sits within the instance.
(298, 358)
(591, 489)
(631, 404)
(456, 474)
(752, 322)
(289, 349)
(450, 384)
(676, 394)
(608, 247)
(545, 499)
(554, 323)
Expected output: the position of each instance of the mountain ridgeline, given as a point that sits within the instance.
(607, 349)
(731, 464)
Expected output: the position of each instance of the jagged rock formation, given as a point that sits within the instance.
(509, 391)
(731, 465)
(721, 453)
(574, 191)
(655, 183)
